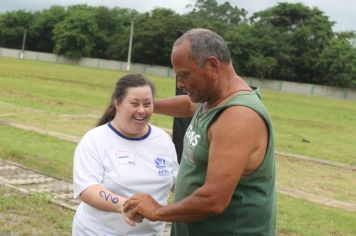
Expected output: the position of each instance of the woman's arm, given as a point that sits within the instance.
(103, 199)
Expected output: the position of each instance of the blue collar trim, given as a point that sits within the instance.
(128, 138)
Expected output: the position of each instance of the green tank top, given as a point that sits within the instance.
(252, 210)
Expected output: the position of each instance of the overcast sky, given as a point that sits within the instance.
(343, 12)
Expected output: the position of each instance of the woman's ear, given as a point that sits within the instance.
(116, 104)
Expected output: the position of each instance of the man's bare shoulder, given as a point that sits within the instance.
(237, 116)
(237, 123)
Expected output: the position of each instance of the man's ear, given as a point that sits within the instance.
(213, 64)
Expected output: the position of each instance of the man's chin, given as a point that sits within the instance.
(192, 98)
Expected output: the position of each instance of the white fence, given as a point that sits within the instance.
(283, 86)
(88, 62)
(303, 88)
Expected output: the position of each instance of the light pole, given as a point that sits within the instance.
(130, 47)
(23, 43)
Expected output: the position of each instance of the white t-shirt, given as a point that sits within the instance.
(125, 166)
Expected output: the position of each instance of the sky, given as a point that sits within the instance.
(343, 12)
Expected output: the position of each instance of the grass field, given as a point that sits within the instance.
(43, 95)
(69, 99)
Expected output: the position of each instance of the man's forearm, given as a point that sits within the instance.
(177, 106)
(196, 207)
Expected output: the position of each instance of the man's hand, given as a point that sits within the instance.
(141, 204)
(137, 219)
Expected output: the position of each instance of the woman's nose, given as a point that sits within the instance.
(141, 109)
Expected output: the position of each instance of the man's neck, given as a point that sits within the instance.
(232, 86)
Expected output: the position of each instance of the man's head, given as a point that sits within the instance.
(198, 57)
(203, 44)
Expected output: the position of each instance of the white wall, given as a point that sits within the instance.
(283, 86)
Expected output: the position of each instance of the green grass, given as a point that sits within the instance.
(302, 218)
(319, 180)
(40, 152)
(32, 215)
(319, 127)
(49, 93)
(70, 99)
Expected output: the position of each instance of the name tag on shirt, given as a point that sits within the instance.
(125, 158)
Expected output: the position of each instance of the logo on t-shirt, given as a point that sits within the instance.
(192, 137)
(160, 164)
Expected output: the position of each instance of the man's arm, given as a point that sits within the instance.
(178, 106)
(238, 142)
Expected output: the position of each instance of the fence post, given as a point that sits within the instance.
(345, 93)
(312, 89)
(280, 85)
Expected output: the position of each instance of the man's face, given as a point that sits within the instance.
(190, 78)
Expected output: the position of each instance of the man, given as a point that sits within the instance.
(226, 181)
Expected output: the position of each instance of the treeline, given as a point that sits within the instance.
(286, 42)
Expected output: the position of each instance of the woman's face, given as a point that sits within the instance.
(134, 112)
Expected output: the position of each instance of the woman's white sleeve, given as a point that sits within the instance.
(87, 167)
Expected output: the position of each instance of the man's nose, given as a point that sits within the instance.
(180, 83)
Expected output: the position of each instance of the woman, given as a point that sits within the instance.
(123, 155)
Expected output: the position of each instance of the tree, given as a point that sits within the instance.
(118, 36)
(210, 10)
(338, 61)
(12, 27)
(42, 28)
(154, 35)
(301, 34)
(74, 36)
(220, 18)
(248, 49)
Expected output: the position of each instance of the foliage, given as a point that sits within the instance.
(73, 36)
(13, 26)
(157, 29)
(209, 14)
(43, 26)
(294, 36)
(337, 62)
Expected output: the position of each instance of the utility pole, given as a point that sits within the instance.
(130, 47)
(23, 43)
